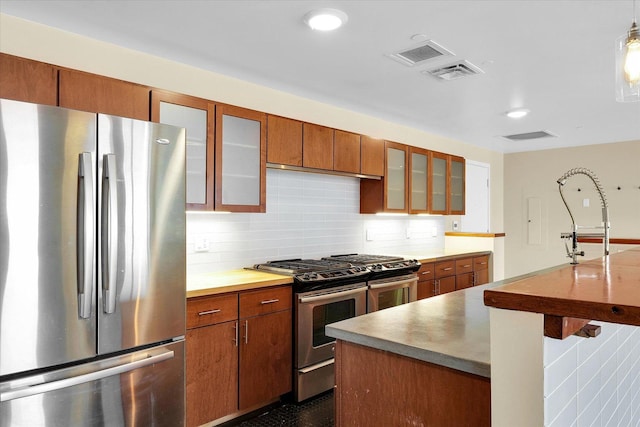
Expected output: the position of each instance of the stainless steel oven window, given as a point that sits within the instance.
(391, 291)
(392, 298)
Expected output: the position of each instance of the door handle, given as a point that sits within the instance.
(109, 232)
(85, 378)
(85, 235)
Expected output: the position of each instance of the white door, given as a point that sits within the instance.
(476, 218)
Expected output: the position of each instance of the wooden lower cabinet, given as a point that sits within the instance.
(378, 388)
(265, 358)
(239, 352)
(481, 270)
(435, 278)
(211, 373)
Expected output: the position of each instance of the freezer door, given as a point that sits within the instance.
(141, 261)
(141, 389)
(47, 236)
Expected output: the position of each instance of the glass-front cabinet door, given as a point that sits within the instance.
(196, 115)
(438, 184)
(396, 177)
(418, 180)
(240, 159)
(456, 186)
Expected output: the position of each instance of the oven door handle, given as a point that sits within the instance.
(324, 297)
(393, 284)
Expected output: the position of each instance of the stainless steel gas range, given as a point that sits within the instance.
(332, 289)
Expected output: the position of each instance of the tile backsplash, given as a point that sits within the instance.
(308, 216)
(595, 381)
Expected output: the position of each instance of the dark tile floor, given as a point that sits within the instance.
(316, 412)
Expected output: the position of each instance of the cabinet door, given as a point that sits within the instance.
(396, 177)
(446, 284)
(346, 152)
(99, 94)
(426, 289)
(438, 183)
(371, 156)
(418, 180)
(196, 115)
(317, 147)
(481, 277)
(456, 186)
(464, 280)
(211, 373)
(265, 358)
(241, 159)
(29, 81)
(284, 141)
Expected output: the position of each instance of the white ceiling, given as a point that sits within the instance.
(555, 58)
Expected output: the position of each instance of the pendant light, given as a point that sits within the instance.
(628, 64)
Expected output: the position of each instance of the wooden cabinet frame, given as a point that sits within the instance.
(230, 110)
(158, 96)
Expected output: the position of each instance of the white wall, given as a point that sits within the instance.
(533, 175)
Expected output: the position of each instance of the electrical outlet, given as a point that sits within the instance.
(455, 225)
(585, 203)
(201, 245)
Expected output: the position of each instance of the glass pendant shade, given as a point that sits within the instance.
(628, 66)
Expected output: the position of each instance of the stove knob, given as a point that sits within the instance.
(305, 276)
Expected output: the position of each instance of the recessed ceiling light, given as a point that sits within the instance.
(325, 19)
(517, 114)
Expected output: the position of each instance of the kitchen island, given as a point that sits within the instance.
(436, 361)
(423, 363)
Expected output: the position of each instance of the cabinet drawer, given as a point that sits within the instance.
(426, 272)
(264, 301)
(481, 262)
(445, 268)
(464, 265)
(211, 310)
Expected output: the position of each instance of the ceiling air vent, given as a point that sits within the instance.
(424, 52)
(454, 71)
(529, 135)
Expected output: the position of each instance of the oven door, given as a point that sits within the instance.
(392, 291)
(315, 310)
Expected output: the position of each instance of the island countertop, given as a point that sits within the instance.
(450, 330)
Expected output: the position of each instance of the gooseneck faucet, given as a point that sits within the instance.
(573, 252)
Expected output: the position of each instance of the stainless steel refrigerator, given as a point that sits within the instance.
(92, 269)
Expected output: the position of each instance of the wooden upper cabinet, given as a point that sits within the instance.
(29, 81)
(241, 159)
(346, 152)
(395, 177)
(371, 156)
(98, 94)
(388, 194)
(284, 141)
(418, 180)
(438, 183)
(197, 116)
(317, 146)
(456, 192)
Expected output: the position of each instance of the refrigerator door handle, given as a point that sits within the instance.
(85, 235)
(109, 232)
(85, 378)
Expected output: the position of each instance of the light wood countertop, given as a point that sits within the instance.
(232, 281)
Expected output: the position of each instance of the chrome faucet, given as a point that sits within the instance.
(573, 235)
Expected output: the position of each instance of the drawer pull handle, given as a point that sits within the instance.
(204, 313)
(426, 272)
(269, 301)
(483, 263)
(447, 269)
(466, 266)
